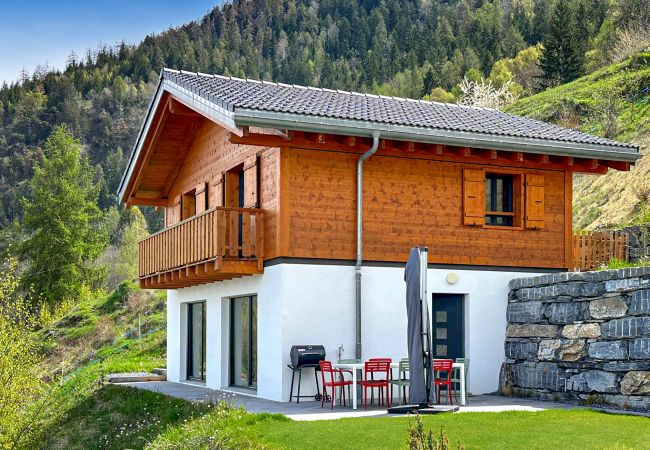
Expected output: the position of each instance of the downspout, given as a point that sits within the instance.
(357, 274)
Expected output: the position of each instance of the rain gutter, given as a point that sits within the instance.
(351, 127)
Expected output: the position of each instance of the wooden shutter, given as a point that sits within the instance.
(474, 197)
(534, 209)
(215, 192)
(200, 195)
(175, 215)
(250, 182)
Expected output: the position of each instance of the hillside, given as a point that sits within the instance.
(612, 102)
(392, 47)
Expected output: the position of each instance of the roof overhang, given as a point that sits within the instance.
(318, 124)
(192, 100)
(233, 119)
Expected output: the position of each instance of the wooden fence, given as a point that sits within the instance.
(592, 250)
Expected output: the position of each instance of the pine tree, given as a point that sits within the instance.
(563, 57)
(61, 220)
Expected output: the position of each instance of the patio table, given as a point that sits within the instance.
(354, 367)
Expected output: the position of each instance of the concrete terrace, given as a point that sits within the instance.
(311, 410)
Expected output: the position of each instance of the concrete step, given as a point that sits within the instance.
(134, 377)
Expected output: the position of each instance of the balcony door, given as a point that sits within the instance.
(243, 342)
(235, 196)
(196, 341)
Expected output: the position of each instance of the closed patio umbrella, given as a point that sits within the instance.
(418, 337)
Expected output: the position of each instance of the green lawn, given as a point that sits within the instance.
(561, 429)
(118, 417)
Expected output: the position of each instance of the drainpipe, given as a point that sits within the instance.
(357, 274)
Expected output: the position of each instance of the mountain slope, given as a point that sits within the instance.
(393, 47)
(612, 102)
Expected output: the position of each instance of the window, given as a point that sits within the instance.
(509, 198)
(499, 199)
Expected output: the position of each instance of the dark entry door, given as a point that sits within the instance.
(196, 341)
(448, 332)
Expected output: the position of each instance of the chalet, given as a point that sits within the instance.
(290, 212)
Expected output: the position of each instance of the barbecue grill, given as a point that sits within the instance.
(305, 356)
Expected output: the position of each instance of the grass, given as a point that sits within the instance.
(115, 417)
(620, 91)
(565, 429)
(97, 337)
(580, 102)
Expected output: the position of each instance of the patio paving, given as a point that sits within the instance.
(311, 410)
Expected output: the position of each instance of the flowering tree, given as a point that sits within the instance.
(484, 94)
(20, 383)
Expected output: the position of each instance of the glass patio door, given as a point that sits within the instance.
(243, 342)
(196, 341)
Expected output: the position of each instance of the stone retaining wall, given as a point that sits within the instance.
(580, 337)
(639, 242)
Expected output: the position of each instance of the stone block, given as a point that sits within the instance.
(592, 289)
(568, 289)
(581, 330)
(607, 308)
(608, 350)
(629, 401)
(626, 366)
(539, 376)
(622, 285)
(640, 302)
(626, 328)
(593, 381)
(636, 383)
(520, 349)
(568, 312)
(640, 348)
(532, 330)
(561, 349)
(525, 312)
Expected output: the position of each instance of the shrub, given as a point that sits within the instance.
(420, 440)
(21, 384)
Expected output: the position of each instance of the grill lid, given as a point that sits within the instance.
(307, 354)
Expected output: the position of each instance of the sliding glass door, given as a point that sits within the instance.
(243, 341)
(196, 341)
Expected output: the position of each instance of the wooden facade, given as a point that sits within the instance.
(299, 191)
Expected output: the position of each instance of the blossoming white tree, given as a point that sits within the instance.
(484, 94)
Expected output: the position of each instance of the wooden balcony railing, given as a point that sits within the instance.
(592, 250)
(219, 244)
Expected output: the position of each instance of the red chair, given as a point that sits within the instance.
(442, 369)
(326, 368)
(381, 368)
(372, 397)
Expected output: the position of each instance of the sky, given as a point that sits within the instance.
(38, 31)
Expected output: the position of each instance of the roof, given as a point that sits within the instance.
(234, 94)
(235, 102)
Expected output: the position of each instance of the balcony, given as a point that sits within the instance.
(219, 244)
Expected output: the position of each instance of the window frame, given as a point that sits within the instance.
(517, 199)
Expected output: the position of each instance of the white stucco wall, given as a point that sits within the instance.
(314, 304)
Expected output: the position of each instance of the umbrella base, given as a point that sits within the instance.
(422, 409)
